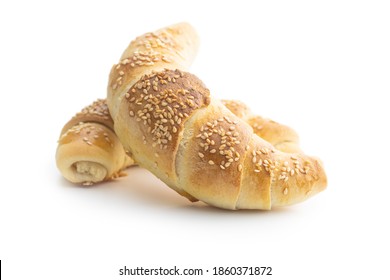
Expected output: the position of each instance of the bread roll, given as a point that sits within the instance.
(88, 150)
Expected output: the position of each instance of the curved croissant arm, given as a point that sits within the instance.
(88, 150)
(282, 137)
(173, 45)
(203, 151)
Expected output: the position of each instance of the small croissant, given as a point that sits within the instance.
(88, 150)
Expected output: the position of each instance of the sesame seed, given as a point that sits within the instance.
(165, 59)
(211, 162)
(285, 191)
(239, 167)
(201, 155)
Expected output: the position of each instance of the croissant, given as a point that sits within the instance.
(83, 157)
(170, 125)
(88, 150)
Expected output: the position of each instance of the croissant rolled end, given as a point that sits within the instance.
(90, 153)
(309, 180)
(79, 169)
(321, 178)
(316, 180)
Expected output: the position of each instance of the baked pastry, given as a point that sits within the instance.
(88, 150)
(83, 158)
(282, 137)
(170, 125)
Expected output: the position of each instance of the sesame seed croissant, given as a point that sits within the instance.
(89, 151)
(170, 125)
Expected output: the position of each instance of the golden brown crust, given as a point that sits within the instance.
(175, 45)
(208, 160)
(238, 108)
(96, 112)
(90, 134)
(275, 133)
(88, 150)
(297, 178)
(255, 190)
(282, 137)
(158, 105)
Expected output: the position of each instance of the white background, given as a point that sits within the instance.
(322, 67)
